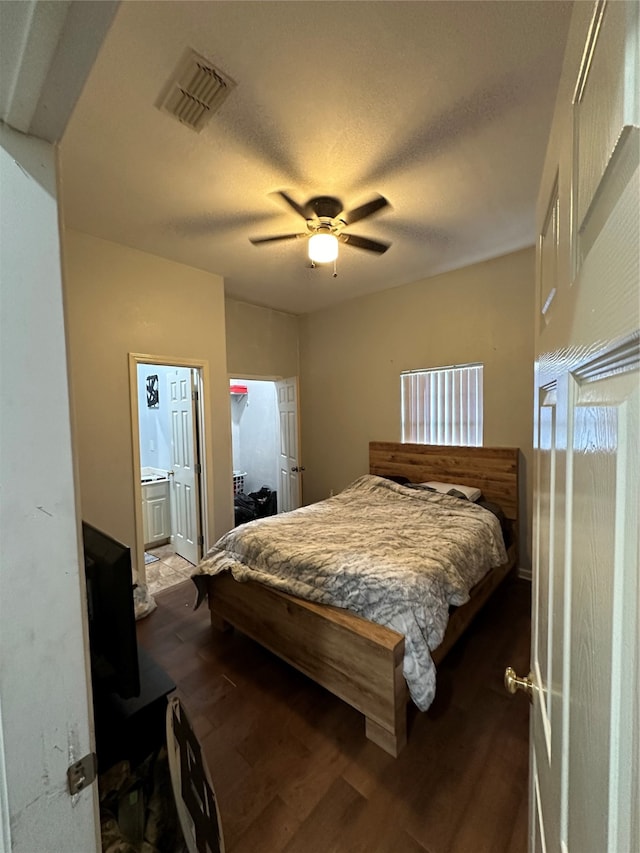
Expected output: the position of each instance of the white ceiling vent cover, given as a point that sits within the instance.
(195, 91)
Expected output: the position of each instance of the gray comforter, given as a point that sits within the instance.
(393, 554)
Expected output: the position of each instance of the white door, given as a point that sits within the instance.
(185, 477)
(585, 795)
(289, 461)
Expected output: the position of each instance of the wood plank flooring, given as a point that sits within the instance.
(293, 770)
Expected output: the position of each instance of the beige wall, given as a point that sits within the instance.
(351, 357)
(119, 301)
(261, 342)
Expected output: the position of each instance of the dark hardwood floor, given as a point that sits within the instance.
(293, 770)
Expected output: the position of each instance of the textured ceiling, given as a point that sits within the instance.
(443, 108)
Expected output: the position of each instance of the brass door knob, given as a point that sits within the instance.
(513, 683)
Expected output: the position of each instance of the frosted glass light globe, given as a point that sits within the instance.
(323, 248)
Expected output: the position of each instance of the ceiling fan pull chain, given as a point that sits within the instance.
(335, 268)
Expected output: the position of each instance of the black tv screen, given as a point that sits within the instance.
(112, 622)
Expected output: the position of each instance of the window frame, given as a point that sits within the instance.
(456, 393)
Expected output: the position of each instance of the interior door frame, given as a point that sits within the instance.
(203, 434)
(273, 378)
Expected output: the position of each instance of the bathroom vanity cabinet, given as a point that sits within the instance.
(156, 513)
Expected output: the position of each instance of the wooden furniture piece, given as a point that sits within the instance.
(133, 728)
(357, 660)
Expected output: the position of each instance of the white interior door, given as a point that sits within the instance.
(184, 497)
(290, 470)
(585, 795)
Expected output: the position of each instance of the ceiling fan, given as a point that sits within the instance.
(326, 220)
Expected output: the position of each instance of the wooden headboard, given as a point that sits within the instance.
(493, 470)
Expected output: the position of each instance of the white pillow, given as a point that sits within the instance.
(470, 492)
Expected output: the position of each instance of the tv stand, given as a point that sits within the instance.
(133, 728)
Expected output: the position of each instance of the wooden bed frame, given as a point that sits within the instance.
(357, 660)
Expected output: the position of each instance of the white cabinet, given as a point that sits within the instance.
(155, 512)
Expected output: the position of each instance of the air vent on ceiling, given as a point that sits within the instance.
(195, 91)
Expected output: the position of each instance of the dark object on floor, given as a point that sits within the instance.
(244, 508)
(137, 808)
(130, 729)
(266, 501)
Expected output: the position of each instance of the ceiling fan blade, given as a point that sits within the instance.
(292, 203)
(257, 240)
(364, 243)
(364, 210)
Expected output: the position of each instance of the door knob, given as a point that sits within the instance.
(298, 468)
(513, 683)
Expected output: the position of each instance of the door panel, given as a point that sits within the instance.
(604, 94)
(543, 664)
(157, 519)
(547, 645)
(537, 830)
(604, 502)
(584, 646)
(289, 463)
(585, 731)
(185, 515)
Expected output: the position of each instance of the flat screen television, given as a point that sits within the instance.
(112, 622)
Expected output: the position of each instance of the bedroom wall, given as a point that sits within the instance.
(351, 357)
(260, 341)
(119, 300)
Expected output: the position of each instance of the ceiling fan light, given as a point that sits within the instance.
(323, 248)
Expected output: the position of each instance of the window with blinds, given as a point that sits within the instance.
(443, 405)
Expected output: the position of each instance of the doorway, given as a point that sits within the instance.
(265, 441)
(167, 434)
(254, 435)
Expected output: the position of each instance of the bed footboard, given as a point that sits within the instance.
(358, 661)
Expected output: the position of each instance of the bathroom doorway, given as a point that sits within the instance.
(168, 428)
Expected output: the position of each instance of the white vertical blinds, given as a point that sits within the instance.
(443, 405)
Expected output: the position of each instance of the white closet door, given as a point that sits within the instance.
(289, 495)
